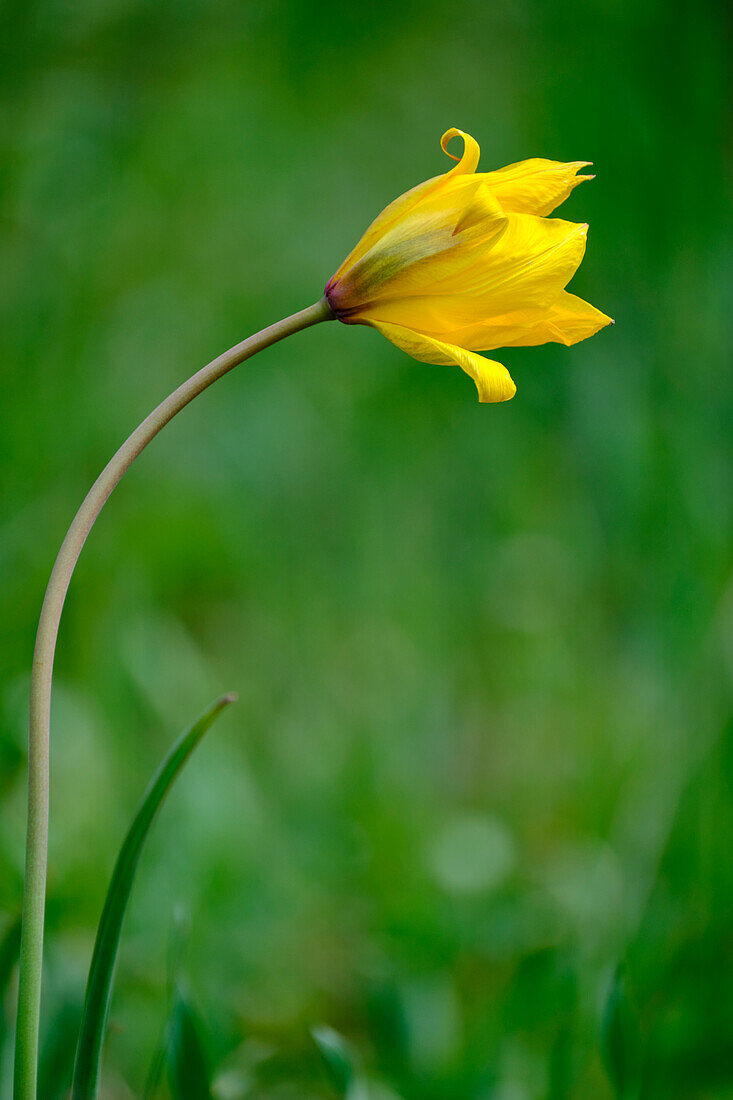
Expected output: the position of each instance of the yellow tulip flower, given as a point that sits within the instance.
(469, 262)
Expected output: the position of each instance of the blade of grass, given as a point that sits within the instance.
(56, 1055)
(342, 1062)
(621, 1041)
(188, 1073)
(155, 1073)
(101, 971)
(180, 933)
(9, 951)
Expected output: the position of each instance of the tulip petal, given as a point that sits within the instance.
(567, 320)
(522, 267)
(402, 206)
(481, 210)
(527, 266)
(535, 186)
(468, 162)
(390, 217)
(460, 215)
(492, 379)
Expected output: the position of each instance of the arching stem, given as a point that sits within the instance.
(34, 897)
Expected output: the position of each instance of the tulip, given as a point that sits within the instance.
(469, 261)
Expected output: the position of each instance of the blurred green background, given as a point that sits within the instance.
(483, 753)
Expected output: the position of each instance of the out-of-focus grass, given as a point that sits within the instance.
(483, 750)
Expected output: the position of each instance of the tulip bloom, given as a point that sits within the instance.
(468, 262)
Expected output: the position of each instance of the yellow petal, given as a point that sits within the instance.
(567, 320)
(444, 225)
(493, 380)
(481, 209)
(402, 206)
(535, 186)
(524, 267)
(468, 161)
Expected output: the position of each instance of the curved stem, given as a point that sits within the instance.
(31, 951)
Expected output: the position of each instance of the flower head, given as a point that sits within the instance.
(468, 262)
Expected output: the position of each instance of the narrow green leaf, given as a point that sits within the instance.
(9, 950)
(561, 1063)
(155, 1073)
(180, 933)
(56, 1055)
(342, 1063)
(621, 1040)
(101, 971)
(188, 1072)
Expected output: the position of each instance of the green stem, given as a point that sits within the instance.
(31, 950)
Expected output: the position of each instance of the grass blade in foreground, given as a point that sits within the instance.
(342, 1062)
(101, 971)
(621, 1041)
(9, 949)
(188, 1072)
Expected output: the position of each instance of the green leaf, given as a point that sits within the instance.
(101, 971)
(188, 1072)
(621, 1040)
(180, 933)
(155, 1073)
(342, 1062)
(56, 1055)
(9, 950)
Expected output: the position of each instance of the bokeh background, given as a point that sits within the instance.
(482, 759)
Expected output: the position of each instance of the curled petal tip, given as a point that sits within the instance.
(502, 395)
(468, 162)
(448, 136)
